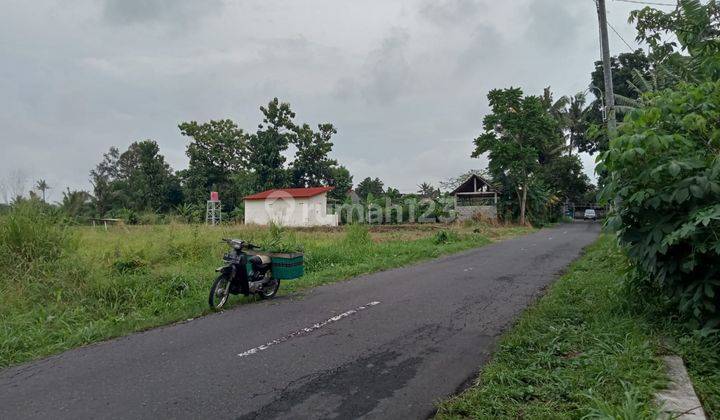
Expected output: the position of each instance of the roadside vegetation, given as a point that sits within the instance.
(63, 286)
(589, 349)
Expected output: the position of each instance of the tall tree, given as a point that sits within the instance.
(42, 186)
(217, 153)
(138, 179)
(576, 121)
(565, 179)
(76, 203)
(269, 142)
(102, 178)
(145, 179)
(370, 186)
(311, 166)
(341, 180)
(519, 132)
(426, 190)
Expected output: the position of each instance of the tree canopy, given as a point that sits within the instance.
(520, 135)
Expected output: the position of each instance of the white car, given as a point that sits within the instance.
(590, 214)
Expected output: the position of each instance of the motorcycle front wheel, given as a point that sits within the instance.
(219, 292)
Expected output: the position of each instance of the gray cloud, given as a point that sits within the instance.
(146, 11)
(388, 71)
(450, 12)
(404, 82)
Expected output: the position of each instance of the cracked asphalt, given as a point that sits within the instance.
(435, 326)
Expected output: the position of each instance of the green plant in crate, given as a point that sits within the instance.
(285, 252)
(280, 240)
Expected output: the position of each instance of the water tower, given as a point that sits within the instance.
(213, 212)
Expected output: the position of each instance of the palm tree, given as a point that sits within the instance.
(576, 120)
(42, 186)
(426, 190)
(76, 203)
(557, 109)
(570, 113)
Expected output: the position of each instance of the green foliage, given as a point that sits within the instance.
(311, 166)
(445, 236)
(266, 146)
(185, 212)
(664, 186)
(632, 407)
(626, 69)
(224, 158)
(426, 190)
(370, 186)
(129, 216)
(218, 152)
(77, 204)
(130, 264)
(42, 186)
(31, 234)
(342, 182)
(279, 239)
(357, 235)
(520, 134)
(138, 179)
(696, 27)
(565, 178)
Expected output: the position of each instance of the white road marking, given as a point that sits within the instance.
(307, 330)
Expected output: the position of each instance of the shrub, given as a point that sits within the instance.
(664, 186)
(130, 264)
(445, 236)
(29, 233)
(357, 235)
(129, 216)
(278, 239)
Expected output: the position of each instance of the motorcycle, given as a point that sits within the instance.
(243, 273)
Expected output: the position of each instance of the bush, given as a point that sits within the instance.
(279, 240)
(357, 235)
(130, 264)
(664, 187)
(29, 232)
(129, 216)
(444, 237)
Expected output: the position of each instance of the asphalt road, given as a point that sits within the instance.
(385, 345)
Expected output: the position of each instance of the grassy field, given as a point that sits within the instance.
(589, 349)
(62, 288)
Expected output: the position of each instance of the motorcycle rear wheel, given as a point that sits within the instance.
(219, 292)
(271, 289)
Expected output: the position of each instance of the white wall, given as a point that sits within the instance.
(290, 212)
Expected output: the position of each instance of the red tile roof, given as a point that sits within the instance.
(290, 192)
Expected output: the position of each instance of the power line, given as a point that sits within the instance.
(647, 3)
(613, 28)
(620, 36)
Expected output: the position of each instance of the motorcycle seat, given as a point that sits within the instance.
(260, 261)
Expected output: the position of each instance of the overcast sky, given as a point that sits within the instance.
(404, 82)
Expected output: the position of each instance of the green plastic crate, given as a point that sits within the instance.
(288, 266)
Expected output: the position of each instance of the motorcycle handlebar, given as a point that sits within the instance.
(242, 244)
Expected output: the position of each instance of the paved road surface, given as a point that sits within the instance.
(385, 345)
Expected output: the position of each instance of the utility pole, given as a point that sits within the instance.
(607, 70)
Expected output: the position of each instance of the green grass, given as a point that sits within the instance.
(587, 349)
(65, 287)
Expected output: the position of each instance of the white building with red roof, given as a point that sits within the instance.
(298, 207)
